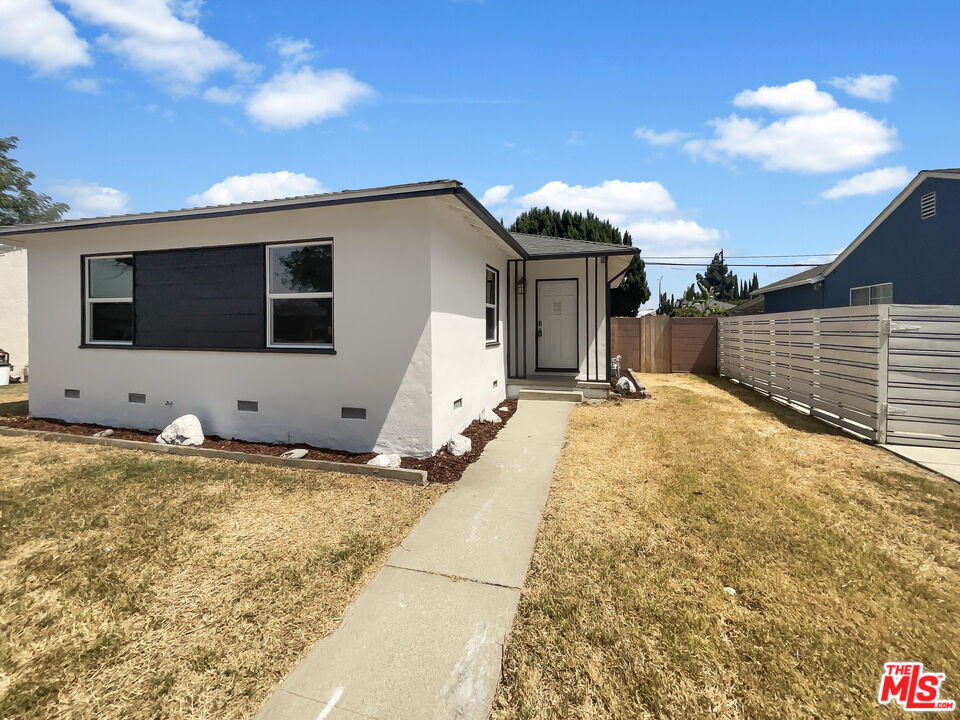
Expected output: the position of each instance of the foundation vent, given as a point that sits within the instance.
(137, 398)
(74, 394)
(349, 413)
(458, 403)
(248, 406)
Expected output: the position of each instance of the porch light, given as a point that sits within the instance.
(521, 285)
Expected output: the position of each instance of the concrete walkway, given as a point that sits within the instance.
(425, 638)
(941, 460)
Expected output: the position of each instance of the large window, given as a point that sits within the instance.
(872, 294)
(109, 300)
(300, 295)
(492, 305)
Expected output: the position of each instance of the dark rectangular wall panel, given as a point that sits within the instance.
(200, 298)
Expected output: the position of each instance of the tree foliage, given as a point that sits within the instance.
(719, 279)
(18, 203)
(633, 292)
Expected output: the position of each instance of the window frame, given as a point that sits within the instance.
(870, 289)
(495, 305)
(89, 301)
(270, 297)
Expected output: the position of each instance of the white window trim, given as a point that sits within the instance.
(868, 288)
(89, 301)
(295, 296)
(495, 305)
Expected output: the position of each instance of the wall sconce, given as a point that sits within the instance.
(521, 285)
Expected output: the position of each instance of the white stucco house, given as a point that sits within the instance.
(382, 319)
(13, 306)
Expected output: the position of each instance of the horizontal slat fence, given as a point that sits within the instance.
(887, 373)
(923, 393)
(826, 362)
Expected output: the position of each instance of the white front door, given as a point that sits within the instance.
(557, 322)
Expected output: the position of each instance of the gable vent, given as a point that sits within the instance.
(928, 205)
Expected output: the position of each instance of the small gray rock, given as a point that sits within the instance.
(294, 454)
(185, 430)
(103, 433)
(459, 445)
(489, 416)
(388, 461)
(624, 386)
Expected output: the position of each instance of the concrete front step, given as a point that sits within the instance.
(561, 395)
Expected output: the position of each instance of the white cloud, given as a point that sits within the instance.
(869, 183)
(817, 136)
(801, 96)
(88, 199)
(615, 200)
(223, 96)
(88, 85)
(34, 33)
(496, 195)
(258, 186)
(675, 236)
(292, 99)
(869, 87)
(159, 37)
(293, 51)
(833, 141)
(670, 137)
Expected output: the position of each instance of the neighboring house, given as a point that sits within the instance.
(13, 305)
(384, 319)
(909, 254)
(753, 306)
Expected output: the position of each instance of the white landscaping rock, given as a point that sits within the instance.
(459, 445)
(489, 416)
(294, 454)
(103, 433)
(503, 409)
(729, 591)
(387, 461)
(185, 430)
(624, 386)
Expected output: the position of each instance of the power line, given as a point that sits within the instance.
(739, 257)
(774, 265)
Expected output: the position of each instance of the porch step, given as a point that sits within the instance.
(562, 395)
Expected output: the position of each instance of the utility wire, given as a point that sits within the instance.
(739, 257)
(680, 264)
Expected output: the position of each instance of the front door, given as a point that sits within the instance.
(557, 323)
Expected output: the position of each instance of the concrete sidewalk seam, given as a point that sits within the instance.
(453, 578)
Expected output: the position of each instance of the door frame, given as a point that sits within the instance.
(536, 319)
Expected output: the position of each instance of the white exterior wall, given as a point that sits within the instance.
(463, 365)
(591, 345)
(13, 306)
(383, 309)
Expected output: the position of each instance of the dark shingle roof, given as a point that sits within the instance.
(797, 279)
(540, 246)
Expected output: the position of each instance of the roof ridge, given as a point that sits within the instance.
(558, 237)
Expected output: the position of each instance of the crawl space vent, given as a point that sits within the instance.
(928, 205)
(349, 413)
(136, 398)
(248, 406)
(74, 394)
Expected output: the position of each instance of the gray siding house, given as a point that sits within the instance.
(910, 254)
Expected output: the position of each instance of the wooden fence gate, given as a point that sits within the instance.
(886, 373)
(661, 344)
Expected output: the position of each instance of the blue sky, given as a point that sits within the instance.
(761, 128)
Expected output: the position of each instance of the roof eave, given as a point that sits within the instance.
(443, 187)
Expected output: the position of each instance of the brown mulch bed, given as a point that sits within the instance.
(441, 467)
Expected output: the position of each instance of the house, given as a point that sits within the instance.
(383, 319)
(909, 254)
(13, 306)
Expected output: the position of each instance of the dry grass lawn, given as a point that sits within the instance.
(13, 399)
(135, 586)
(842, 557)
